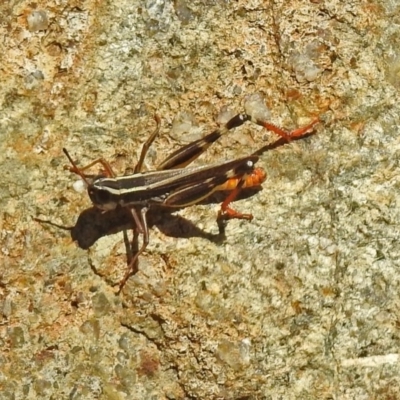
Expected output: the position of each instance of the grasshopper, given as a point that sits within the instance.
(175, 185)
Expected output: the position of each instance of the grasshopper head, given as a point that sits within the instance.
(103, 195)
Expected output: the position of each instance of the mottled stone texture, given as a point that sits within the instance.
(300, 303)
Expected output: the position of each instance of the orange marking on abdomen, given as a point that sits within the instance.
(256, 178)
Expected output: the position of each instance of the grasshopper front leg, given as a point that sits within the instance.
(141, 225)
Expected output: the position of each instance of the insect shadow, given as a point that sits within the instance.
(93, 224)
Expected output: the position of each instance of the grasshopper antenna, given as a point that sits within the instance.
(75, 168)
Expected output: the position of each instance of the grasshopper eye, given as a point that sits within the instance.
(101, 199)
